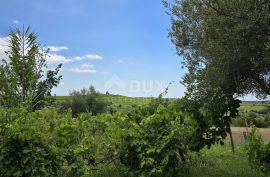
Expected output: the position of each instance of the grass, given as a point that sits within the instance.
(252, 106)
(218, 161)
(125, 100)
(117, 100)
(238, 134)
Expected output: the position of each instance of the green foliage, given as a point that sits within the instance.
(22, 77)
(85, 100)
(219, 161)
(258, 152)
(260, 119)
(209, 43)
(157, 142)
(213, 117)
(223, 44)
(44, 143)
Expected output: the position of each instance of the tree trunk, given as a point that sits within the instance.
(231, 139)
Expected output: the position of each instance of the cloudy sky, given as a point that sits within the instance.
(120, 46)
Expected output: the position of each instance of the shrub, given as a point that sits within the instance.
(85, 100)
(258, 152)
(44, 143)
(156, 145)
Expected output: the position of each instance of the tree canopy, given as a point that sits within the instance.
(224, 44)
(24, 75)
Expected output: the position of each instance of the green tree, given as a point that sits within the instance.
(223, 44)
(85, 100)
(22, 74)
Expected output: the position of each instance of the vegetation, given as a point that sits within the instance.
(258, 151)
(22, 73)
(228, 37)
(92, 134)
(259, 118)
(225, 37)
(85, 100)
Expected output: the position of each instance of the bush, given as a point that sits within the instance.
(156, 145)
(258, 152)
(85, 100)
(44, 143)
(252, 118)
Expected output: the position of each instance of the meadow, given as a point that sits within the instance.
(139, 101)
(219, 161)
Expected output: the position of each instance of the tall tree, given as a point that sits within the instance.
(224, 43)
(24, 76)
(224, 48)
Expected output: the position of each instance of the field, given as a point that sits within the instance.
(238, 134)
(252, 106)
(117, 99)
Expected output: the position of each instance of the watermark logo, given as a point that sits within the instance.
(135, 86)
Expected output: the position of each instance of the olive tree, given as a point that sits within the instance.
(223, 44)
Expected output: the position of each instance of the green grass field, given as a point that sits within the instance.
(219, 161)
(125, 100)
(117, 99)
(252, 106)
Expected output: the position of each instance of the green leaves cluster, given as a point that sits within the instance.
(85, 101)
(22, 73)
(223, 44)
(158, 141)
(258, 151)
(44, 143)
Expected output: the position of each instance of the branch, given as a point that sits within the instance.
(221, 11)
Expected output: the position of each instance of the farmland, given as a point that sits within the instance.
(126, 101)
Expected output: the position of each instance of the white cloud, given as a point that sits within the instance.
(84, 68)
(57, 48)
(3, 47)
(81, 70)
(85, 65)
(54, 58)
(88, 57)
(15, 21)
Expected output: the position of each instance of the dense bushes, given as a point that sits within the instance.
(149, 141)
(44, 143)
(258, 151)
(158, 144)
(152, 140)
(85, 100)
(260, 118)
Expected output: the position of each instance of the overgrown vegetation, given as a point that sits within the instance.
(85, 100)
(258, 151)
(85, 135)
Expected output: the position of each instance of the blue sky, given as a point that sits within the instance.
(105, 39)
(117, 45)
